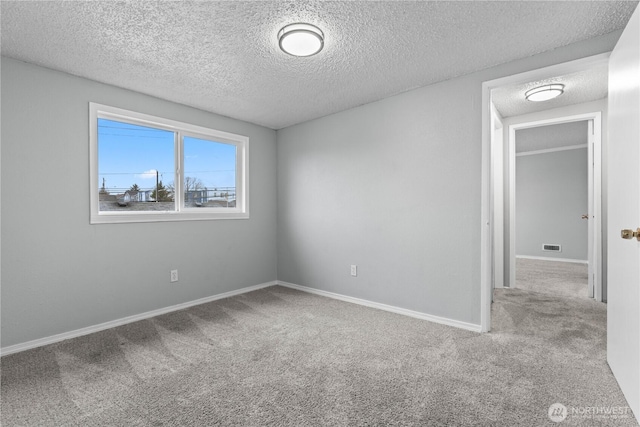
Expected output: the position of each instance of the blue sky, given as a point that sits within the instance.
(129, 154)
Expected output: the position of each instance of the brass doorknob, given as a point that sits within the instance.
(586, 216)
(630, 234)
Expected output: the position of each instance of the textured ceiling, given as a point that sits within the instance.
(223, 56)
(584, 86)
(553, 136)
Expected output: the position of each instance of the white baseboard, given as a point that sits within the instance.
(436, 319)
(129, 319)
(542, 258)
(4, 351)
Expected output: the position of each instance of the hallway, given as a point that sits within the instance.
(549, 277)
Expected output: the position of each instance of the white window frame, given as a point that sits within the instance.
(181, 213)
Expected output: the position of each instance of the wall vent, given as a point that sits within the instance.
(551, 248)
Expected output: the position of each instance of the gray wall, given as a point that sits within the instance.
(551, 196)
(552, 136)
(59, 273)
(394, 187)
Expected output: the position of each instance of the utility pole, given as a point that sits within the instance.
(157, 192)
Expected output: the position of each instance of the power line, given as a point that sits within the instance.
(135, 129)
(219, 170)
(132, 173)
(161, 172)
(134, 136)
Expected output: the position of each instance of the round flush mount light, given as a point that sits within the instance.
(301, 39)
(544, 93)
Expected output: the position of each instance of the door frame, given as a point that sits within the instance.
(487, 253)
(594, 238)
(497, 198)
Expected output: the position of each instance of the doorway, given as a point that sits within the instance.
(497, 166)
(551, 205)
(571, 222)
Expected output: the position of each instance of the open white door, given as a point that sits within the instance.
(623, 311)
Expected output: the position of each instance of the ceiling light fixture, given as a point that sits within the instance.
(544, 93)
(301, 39)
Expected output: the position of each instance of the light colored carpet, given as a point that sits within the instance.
(552, 277)
(282, 357)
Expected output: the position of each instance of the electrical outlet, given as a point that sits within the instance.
(174, 276)
(354, 270)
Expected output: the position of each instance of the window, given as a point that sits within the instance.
(146, 168)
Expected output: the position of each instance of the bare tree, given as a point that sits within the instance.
(192, 184)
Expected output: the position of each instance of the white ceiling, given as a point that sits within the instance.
(583, 86)
(223, 56)
(552, 136)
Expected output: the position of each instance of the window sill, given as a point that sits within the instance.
(120, 218)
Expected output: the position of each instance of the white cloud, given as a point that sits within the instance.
(150, 174)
